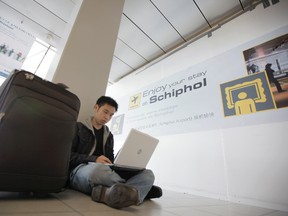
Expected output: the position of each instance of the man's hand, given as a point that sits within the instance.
(104, 160)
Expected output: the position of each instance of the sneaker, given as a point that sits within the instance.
(117, 196)
(155, 192)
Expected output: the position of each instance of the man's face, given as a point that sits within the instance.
(103, 114)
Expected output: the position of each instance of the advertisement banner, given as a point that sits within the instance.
(15, 43)
(215, 94)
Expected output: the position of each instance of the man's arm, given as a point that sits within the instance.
(81, 146)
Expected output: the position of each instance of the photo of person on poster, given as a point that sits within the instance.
(271, 57)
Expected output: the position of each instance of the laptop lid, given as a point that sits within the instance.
(136, 150)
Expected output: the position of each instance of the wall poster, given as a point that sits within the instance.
(15, 43)
(228, 90)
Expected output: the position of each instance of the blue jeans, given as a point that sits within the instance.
(86, 176)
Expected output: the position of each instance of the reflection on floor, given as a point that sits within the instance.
(72, 203)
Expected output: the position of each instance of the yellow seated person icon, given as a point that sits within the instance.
(247, 95)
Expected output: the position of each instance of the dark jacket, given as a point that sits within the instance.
(84, 144)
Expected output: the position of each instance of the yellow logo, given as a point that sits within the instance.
(135, 101)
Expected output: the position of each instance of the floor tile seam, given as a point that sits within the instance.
(70, 207)
(203, 211)
(265, 214)
(34, 212)
(173, 213)
(274, 211)
(82, 212)
(201, 205)
(219, 214)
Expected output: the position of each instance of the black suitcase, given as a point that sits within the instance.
(37, 124)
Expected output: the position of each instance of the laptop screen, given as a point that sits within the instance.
(136, 150)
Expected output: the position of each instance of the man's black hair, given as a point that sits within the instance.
(107, 100)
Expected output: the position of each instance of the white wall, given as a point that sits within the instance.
(245, 164)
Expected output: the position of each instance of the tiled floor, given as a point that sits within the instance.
(72, 203)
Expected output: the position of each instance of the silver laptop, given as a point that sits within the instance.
(135, 152)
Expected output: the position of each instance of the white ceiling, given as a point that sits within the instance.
(48, 20)
(149, 29)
